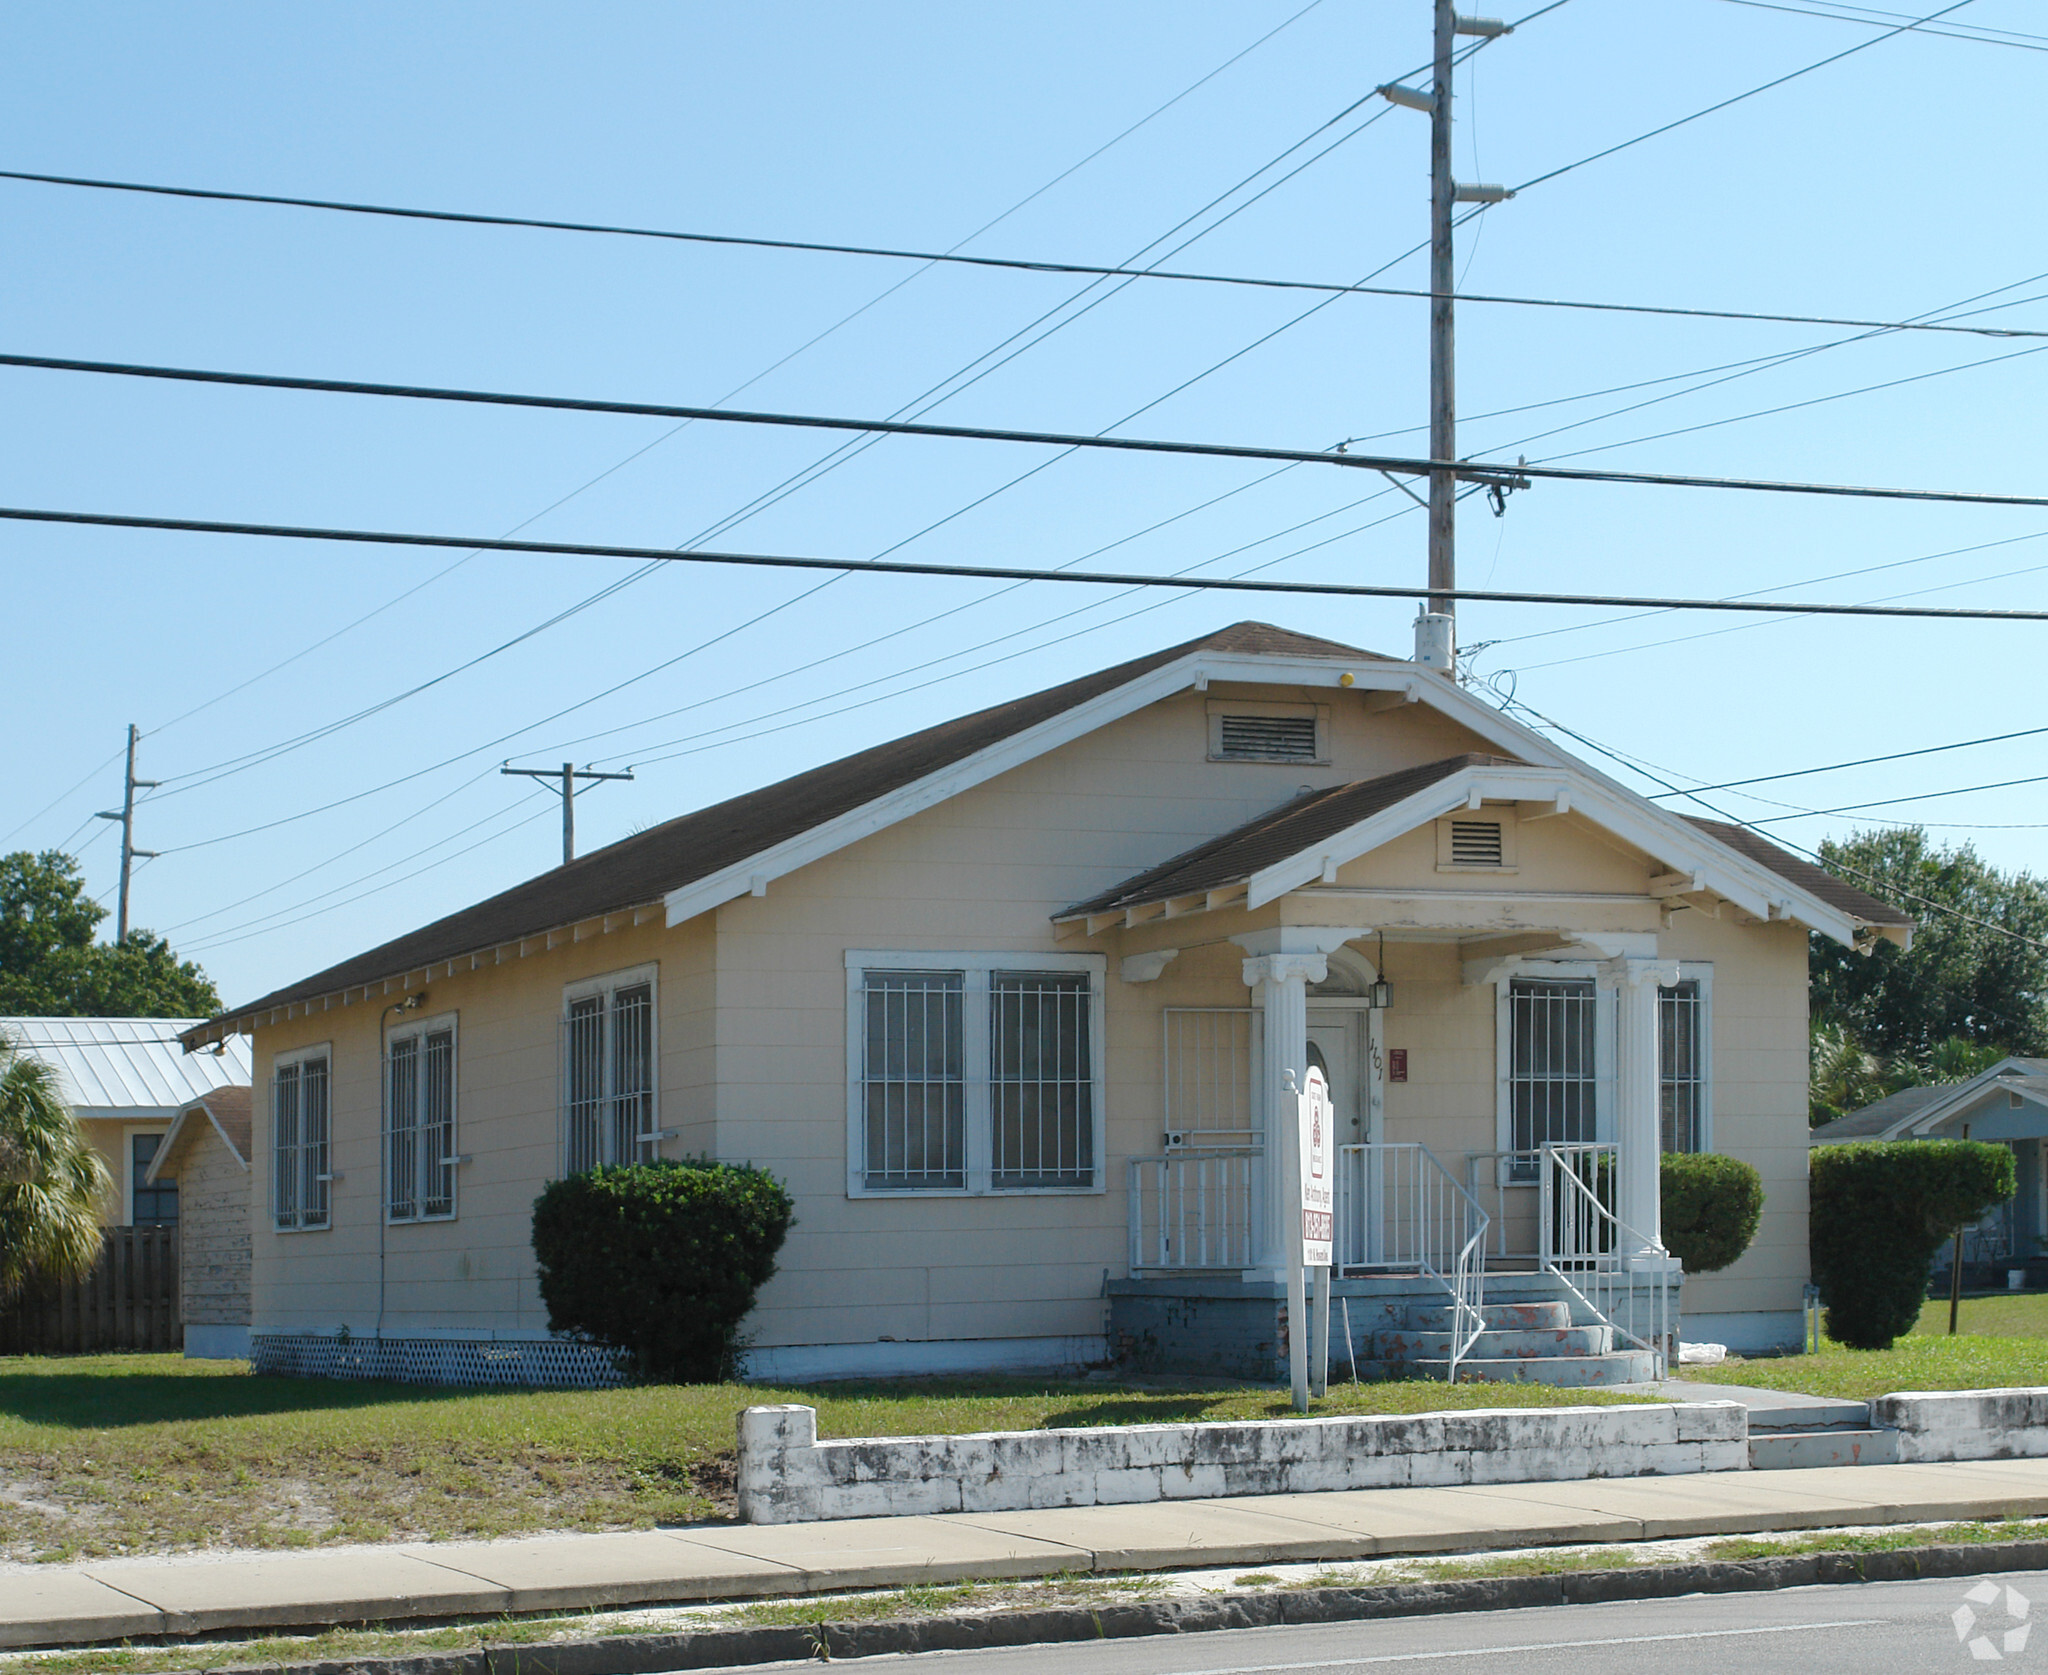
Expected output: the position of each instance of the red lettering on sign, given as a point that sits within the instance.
(1318, 1226)
(1397, 1064)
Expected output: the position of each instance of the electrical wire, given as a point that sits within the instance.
(1976, 33)
(1890, 802)
(933, 258)
(990, 572)
(1869, 761)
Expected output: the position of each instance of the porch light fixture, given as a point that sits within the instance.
(1382, 994)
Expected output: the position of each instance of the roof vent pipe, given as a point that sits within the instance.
(1436, 641)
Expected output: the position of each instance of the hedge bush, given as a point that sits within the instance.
(1711, 1208)
(660, 1261)
(1881, 1210)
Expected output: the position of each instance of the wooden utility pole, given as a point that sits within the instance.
(1443, 404)
(568, 774)
(126, 815)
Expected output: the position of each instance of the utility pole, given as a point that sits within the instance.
(1435, 632)
(129, 853)
(568, 773)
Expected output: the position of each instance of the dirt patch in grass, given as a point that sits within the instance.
(130, 1454)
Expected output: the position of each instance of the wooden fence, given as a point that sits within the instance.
(128, 1301)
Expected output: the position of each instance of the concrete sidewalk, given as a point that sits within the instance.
(47, 1605)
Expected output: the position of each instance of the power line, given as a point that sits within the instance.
(1837, 867)
(1866, 761)
(1976, 33)
(1468, 470)
(989, 572)
(932, 258)
(1889, 802)
(1765, 87)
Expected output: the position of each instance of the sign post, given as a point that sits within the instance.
(1311, 1239)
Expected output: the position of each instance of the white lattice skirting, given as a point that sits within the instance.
(543, 1364)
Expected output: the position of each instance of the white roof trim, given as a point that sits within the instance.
(1953, 1103)
(177, 1129)
(1665, 837)
(1196, 670)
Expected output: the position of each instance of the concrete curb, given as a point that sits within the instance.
(722, 1648)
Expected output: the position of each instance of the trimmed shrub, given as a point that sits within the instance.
(660, 1260)
(1881, 1210)
(1711, 1208)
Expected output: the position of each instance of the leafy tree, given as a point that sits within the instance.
(1977, 973)
(51, 967)
(1842, 1074)
(51, 1178)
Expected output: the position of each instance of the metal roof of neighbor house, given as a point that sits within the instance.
(1287, 830)
(225, 1111)
(1816, 881)
(648, 865)
(111, 1067)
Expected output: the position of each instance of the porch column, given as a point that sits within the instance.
(1283, 964)
(1638, 1132)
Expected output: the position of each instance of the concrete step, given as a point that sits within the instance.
(1531, 1316)
(1789, 1450)
(1496, 1346)
(1566, 1372)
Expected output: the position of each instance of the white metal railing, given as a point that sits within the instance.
(1195, 1208)
(1620, 1276)
(1508, 1185)
(1400, 1209)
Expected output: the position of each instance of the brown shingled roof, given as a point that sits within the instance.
(649, 864)
(1287, 830)
(1815, 881)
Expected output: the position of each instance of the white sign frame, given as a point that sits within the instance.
(1316, 1152)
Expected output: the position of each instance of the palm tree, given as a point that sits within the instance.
(1842, 1075)
(51, 1178)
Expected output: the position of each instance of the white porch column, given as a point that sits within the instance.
(1638, 1131)
(1282, 965)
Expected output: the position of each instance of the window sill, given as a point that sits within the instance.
(874, 1192)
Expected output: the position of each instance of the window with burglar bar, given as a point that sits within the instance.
(1682, 1065)
(974, 1077)
(608, 1093)
(299, 1143)
(419, 1123)
(1553, 1078)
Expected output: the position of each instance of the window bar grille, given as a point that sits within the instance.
(437, 1125)
(913, 1076)
(1552, 1069)
(1681, 1060)
(315, 1172)
(284, 1108)
(1042, 1083)
(632, 1066)
(401, 1129)
(583, 1073)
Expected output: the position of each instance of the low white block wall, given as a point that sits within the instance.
(786, 1475)
(1965, 1424)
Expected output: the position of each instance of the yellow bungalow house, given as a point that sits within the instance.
(1012, 1004)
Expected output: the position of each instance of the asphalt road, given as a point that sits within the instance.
(1889, 1628)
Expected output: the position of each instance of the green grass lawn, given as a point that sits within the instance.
(149, 1453)
(2000, 1341)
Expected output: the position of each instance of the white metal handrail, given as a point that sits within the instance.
(1195, 1209)
(1400, 1209)
(1622, 1277)
(1492, 1176)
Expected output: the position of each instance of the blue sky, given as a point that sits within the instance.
(1889, 185)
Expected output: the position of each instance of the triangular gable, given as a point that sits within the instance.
(1310, 838)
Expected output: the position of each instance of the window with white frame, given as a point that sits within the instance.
(1682, 1045)
(419, 1122)
(608, 1083)
(974, 1073)
(1553, 1062)
(300, 1140)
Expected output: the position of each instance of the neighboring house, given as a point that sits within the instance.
(1011, 1004)
(126, 1079)
(206, 1153)
(2006, 1104)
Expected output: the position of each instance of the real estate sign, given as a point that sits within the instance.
(1318, 1154)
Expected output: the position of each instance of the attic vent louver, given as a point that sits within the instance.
(1269, 738)
(1476, 843)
